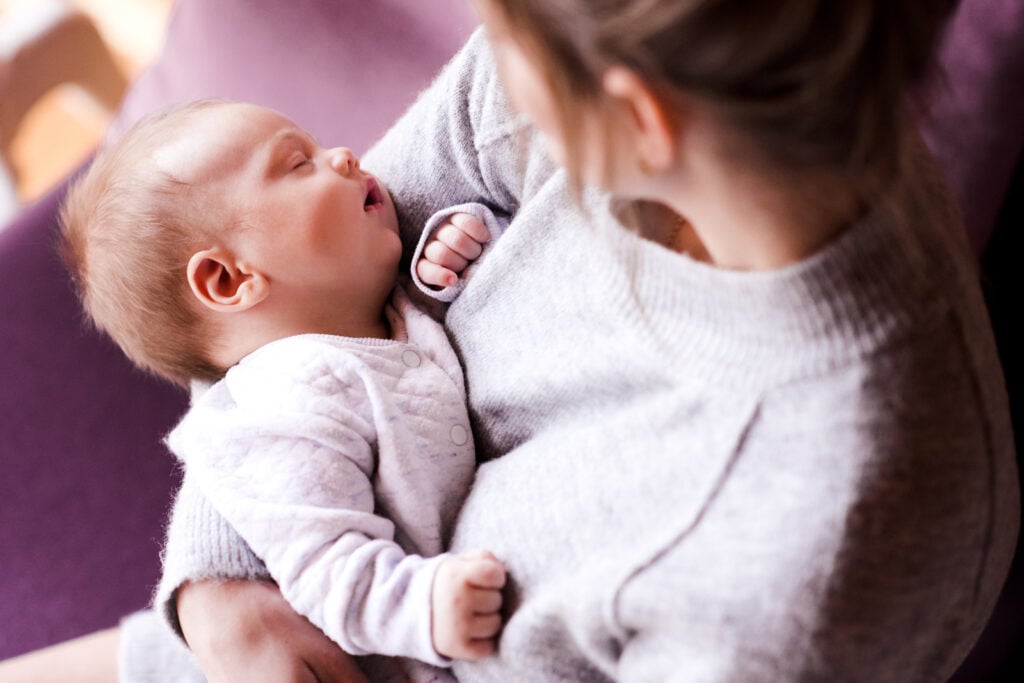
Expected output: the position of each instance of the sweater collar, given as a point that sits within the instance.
(868, 287)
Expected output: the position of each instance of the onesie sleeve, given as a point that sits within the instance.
(199, 545)
(290, 467)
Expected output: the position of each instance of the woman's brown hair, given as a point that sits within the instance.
(802, 84)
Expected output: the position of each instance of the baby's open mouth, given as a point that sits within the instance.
(374, 197)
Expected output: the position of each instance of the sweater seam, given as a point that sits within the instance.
(615, 620)
(498, 134)
(492, 175)
(981, 412)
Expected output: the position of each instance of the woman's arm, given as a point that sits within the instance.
(200, 546)
(459, 143)
(863, 533)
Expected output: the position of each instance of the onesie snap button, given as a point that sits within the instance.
(411, 358)
(459, 435)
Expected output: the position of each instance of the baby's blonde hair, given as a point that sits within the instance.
(128, 231)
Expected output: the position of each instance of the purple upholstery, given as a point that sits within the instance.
(977, 130)
(85, 481)
(84, 484)
(344, 70)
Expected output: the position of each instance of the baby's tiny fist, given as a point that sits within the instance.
(467, 605)
(485, 570)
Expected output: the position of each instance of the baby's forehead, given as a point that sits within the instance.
(215, 143)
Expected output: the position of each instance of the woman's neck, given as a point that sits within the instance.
(742, 217)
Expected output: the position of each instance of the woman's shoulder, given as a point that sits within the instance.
(488, 106)
(460, 141)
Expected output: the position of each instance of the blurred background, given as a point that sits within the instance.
(64, 65)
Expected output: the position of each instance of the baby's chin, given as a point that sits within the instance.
(391, 218)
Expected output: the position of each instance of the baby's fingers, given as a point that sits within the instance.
(472, 226)
(484, 600)
(434, 275)
(486, 572)
(478, 649)
(444, 256)
(484, 626)
(463, 234)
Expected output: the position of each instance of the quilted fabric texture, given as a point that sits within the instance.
(343, 463)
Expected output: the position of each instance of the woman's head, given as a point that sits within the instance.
(795, 84)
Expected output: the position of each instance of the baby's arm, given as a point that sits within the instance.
(308, 512)
(291, 469)
(451, 248)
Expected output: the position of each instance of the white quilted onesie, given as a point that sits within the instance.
(343, 463)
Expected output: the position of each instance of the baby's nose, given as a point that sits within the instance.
(343, 160)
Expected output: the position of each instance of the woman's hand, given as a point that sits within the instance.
(246, 631)
(451, 248)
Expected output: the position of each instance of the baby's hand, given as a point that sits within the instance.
(449, 250)
(467, 603)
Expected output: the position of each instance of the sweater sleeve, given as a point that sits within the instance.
(200, 545)
(459, 143)
(882, 570)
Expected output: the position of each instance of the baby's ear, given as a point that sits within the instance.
(221, 283)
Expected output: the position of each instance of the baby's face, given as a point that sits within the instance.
(309, 218)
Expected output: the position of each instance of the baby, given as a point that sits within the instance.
(218, 243)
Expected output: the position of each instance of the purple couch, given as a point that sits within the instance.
(86, 483)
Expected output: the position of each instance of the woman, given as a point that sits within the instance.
(748, 428)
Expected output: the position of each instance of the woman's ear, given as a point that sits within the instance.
(654, 125)
(221, 283)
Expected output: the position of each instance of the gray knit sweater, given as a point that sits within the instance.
(695, 474)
